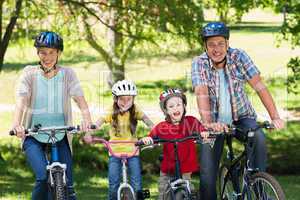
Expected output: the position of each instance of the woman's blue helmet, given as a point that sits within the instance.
(215, 29)
(50, 40)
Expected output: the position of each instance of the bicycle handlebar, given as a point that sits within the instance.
(265, 124)
(194, 136)
(38, 128)
(107, 144)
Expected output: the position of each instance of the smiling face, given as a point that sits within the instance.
(48, 56)
(216, 48)
(175, 109)
(125, 102)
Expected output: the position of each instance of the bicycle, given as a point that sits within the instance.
(125, 190)
(177, 188)
(56, 170)
(239, 180)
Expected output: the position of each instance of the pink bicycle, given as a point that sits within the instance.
(125, 190)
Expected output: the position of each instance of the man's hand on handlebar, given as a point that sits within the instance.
(217, 127)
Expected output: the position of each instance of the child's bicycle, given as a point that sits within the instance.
(177, 188)
(239, 180)
(57, 178)
(125, 190)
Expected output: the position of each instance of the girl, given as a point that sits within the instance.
(123, 117)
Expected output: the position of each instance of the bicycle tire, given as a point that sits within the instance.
(180, 193)
(262, 179)
(229, 193)
(126, 194)
(59, 190)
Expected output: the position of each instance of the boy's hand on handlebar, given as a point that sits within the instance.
(88, 138)
(217, 127)
(147, 140)
(278, 123)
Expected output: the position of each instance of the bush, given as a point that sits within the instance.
(283, 151)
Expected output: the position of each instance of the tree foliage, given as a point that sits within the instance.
(128, 22)
(291, 32)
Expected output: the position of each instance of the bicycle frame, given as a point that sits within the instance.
(53, 165)
(178, 181)
(247, 168)
(123, 157)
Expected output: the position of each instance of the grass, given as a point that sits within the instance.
(90, 184)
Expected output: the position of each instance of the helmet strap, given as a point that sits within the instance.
(47, 70)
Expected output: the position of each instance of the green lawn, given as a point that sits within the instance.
(90, 184)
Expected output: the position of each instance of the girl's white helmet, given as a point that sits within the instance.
(124, 88)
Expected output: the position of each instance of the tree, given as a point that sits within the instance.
(128, 22)
(223, 8)
(4, 41)
(291, 31)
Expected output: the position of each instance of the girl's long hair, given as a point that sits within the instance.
(132, 119)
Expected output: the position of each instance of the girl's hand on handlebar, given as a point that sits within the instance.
(147, 140)
(88, 138)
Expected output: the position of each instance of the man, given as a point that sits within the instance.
(218, 78)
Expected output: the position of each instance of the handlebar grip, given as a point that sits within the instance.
(93, 126)
(139, 143)
(12, 132)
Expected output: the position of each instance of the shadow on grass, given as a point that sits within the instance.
(256, 27)
(283, 146)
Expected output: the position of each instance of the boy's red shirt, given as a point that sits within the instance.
(187, 150)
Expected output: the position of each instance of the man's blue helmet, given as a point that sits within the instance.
(215, 29)
(50, 40)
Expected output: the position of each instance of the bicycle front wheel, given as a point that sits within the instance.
(180, 193)
(126, 194)
(265, 187)
(59, 190)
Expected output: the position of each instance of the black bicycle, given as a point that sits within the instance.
(177, 188)
(57, 178)
(238, 179)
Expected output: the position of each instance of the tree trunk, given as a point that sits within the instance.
(1, 6)
(115, 46)
(9, 29)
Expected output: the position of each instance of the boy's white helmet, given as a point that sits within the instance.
(124, 88)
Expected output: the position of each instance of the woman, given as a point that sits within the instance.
(44, 97)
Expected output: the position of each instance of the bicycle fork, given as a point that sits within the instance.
(124, 183)
(56, 166)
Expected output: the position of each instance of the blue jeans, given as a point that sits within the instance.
(35, 154)
(210, 159)
(115, 174)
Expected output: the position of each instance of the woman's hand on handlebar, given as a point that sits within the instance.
(19, 131)
(147, 140)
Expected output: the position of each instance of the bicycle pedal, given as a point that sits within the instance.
(195, 195)
(146, 193)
